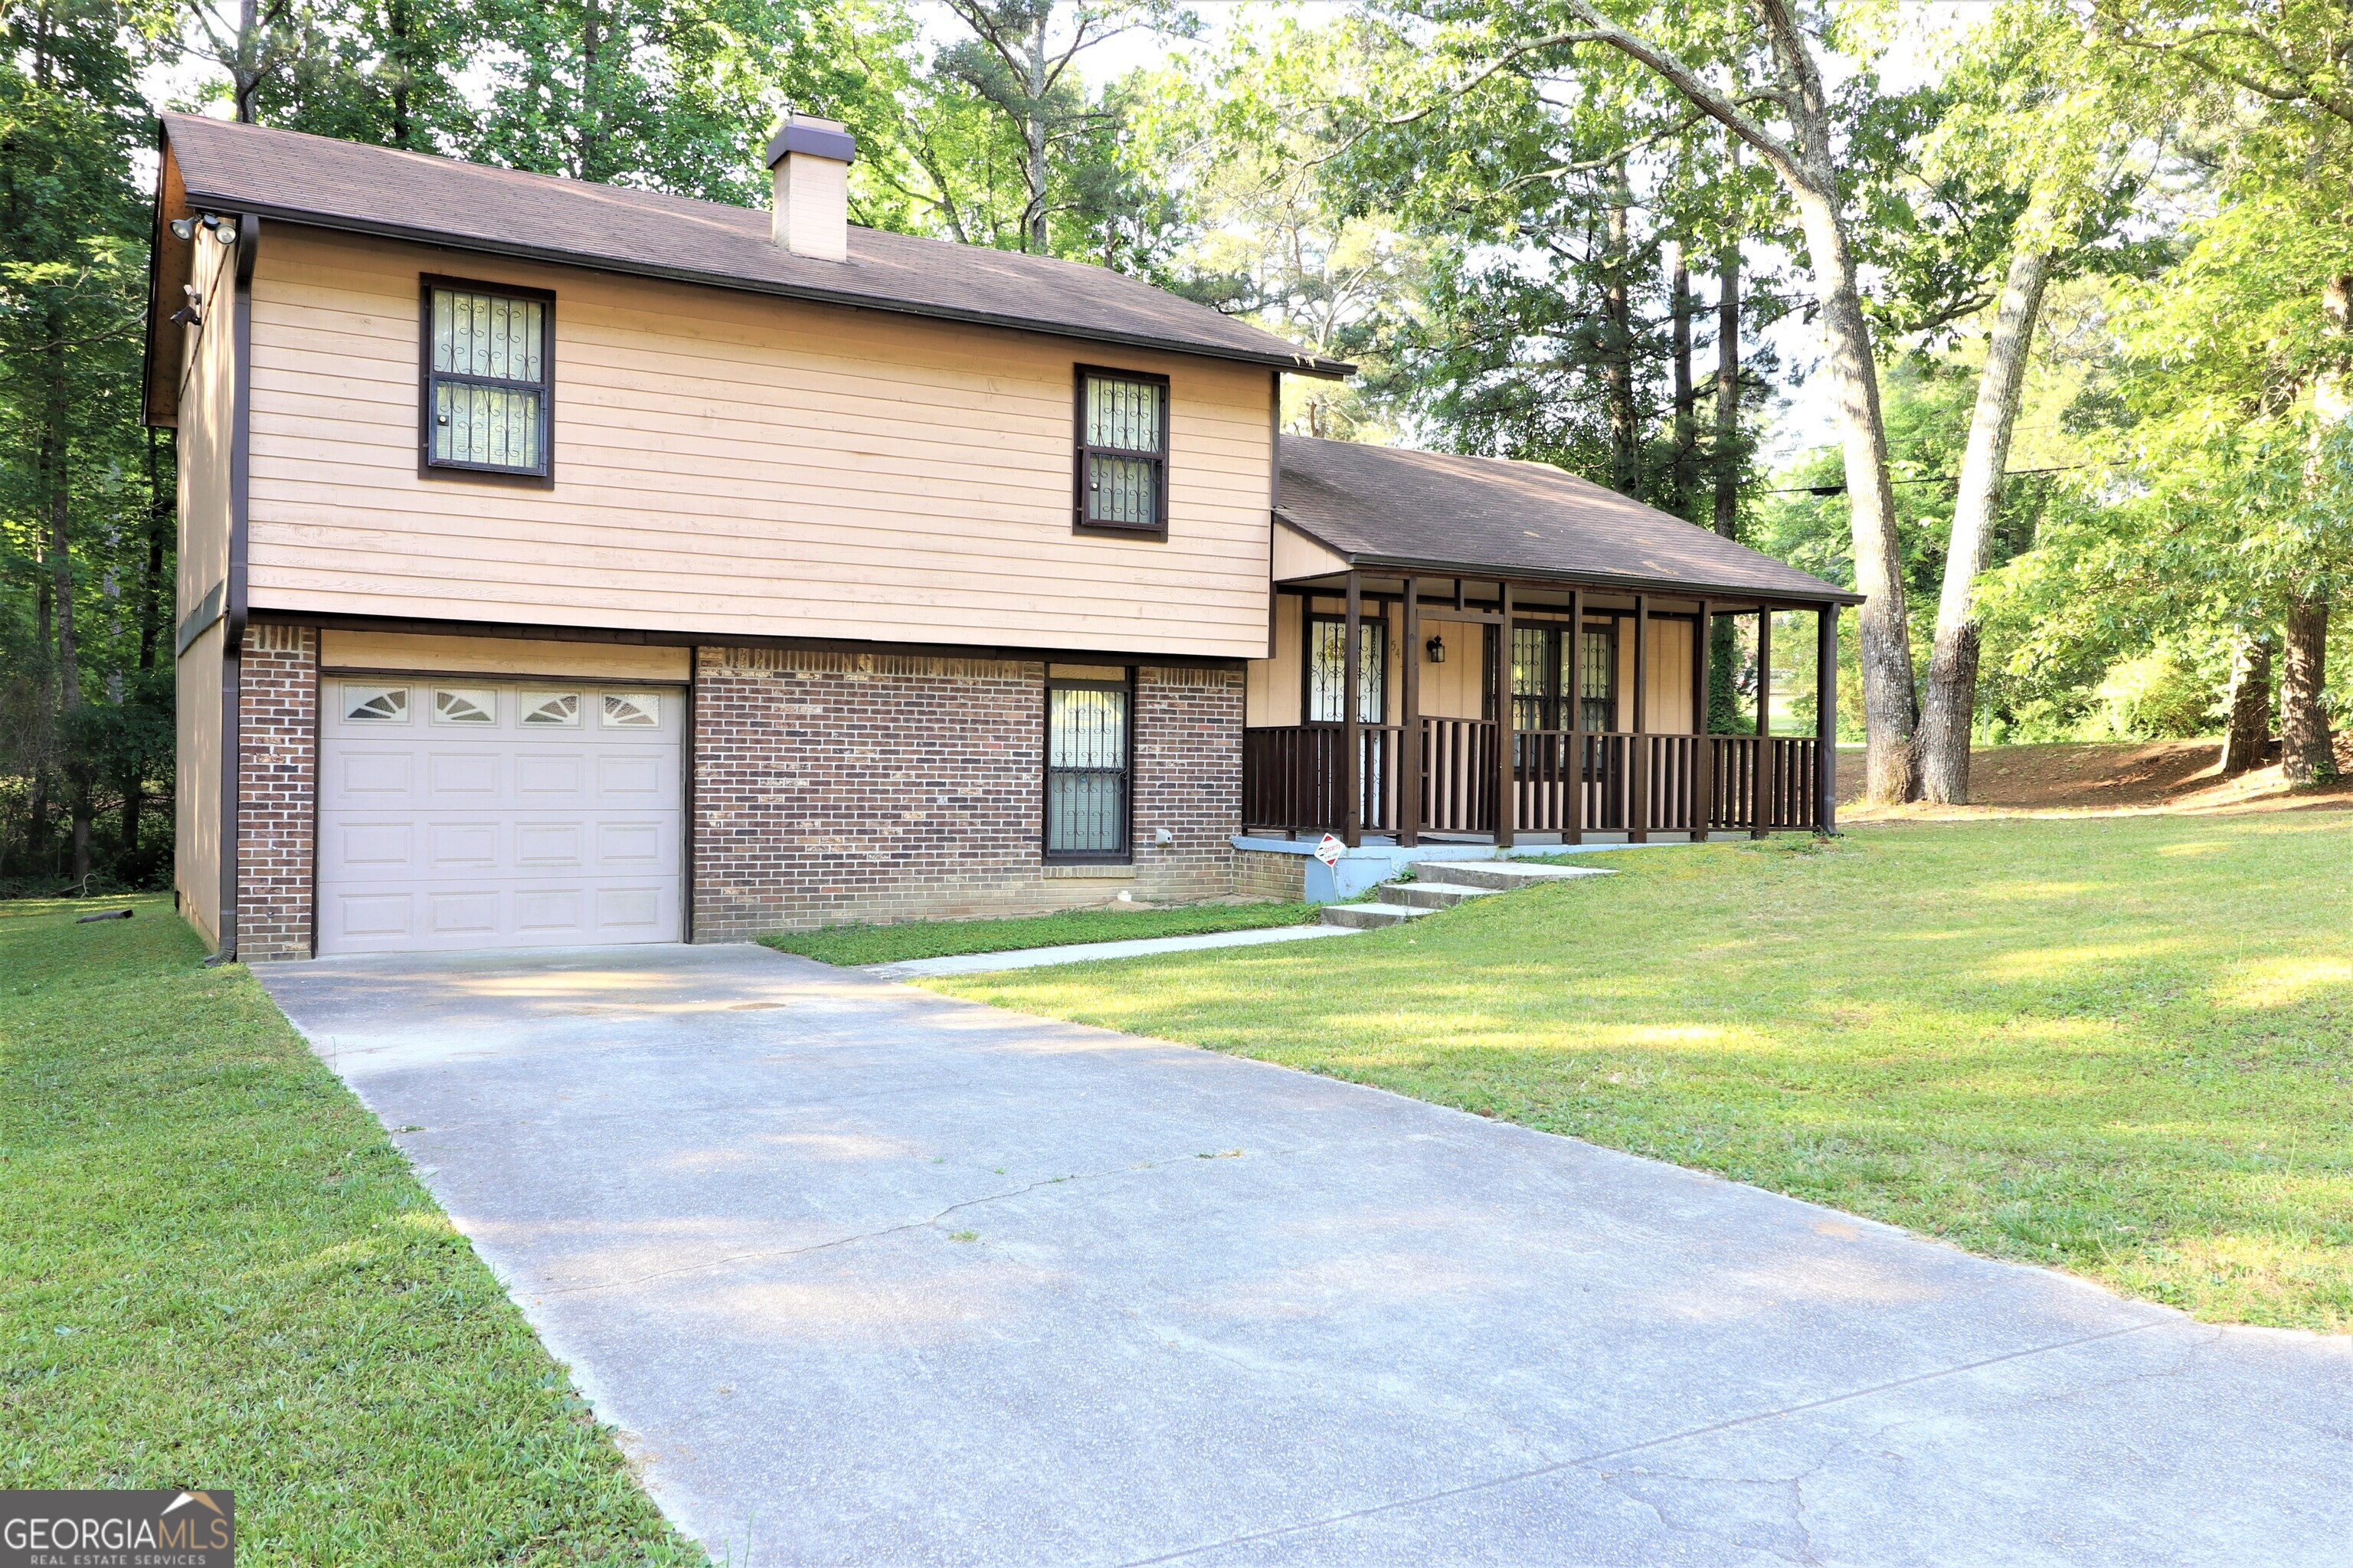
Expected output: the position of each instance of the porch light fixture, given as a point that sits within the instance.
(1436, 649)
(184, 227)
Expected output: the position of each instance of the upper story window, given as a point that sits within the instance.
(488, 363)
(1122, 458)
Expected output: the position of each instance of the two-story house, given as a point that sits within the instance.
(565, 564)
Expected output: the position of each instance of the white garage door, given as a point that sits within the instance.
(459, 814)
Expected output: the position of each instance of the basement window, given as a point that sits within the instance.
(1086, 770)
(487, 356)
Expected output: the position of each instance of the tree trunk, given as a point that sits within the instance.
(153, 601)
(591, 139)
(403, 61)
(56, 461)
(1945, 728)
(1618, 345)
(2247, 736)
(1723, 701)
(245, 71)
(1890, 704)
(2307, 753)
(1727, 392)
(1033, 130)
(1685, 468)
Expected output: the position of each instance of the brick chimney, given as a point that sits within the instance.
(810, 160)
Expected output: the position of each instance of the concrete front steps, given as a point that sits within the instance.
(1443, 884)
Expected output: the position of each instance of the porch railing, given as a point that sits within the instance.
(1764, 786)
(1294, 779)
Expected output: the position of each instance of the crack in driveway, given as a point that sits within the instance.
(1490, 1483)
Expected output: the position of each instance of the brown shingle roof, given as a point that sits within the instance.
(1385, 506)
(441, 201)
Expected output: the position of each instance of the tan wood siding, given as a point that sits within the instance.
(729, 464)
(1296, 556)
(205, 430)
(205, 404)
(1458, 688)
(504, 656)
(1668, 705)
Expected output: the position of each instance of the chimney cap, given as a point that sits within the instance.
(809, 135)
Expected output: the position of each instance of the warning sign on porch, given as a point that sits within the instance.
(1330, 851)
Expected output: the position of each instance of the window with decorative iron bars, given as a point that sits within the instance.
(1540, 679)
(1535, 677)
(1087, 770)
(1597, 676)
(1123, 458)
(1328, 669)
(488, 354)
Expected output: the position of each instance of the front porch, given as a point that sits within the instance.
(1609, 693)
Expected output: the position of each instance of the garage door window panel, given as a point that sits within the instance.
(550, 710)
(466, 706)
(632, 710)
(375, 704)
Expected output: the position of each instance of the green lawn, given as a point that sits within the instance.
(215, 1271)
(946, 938)
(2121, 1046)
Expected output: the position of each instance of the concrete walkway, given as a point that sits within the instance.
(1083, 952)
(870, 1276)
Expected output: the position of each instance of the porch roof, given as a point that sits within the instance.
(1390, 508)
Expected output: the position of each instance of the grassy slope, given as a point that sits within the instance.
(2124, 1046)
(944, 939)
(215, 1271)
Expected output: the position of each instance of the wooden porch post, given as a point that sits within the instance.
(1352, 729)
(1764, 715)
(1507, 783)
(1826, 720)
(1408, 784)
(1703, 749)
(1573, 825)
(1638, 808)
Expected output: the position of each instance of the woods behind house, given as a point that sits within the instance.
(2035, 326)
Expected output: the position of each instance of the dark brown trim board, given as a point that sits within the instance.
(234, 617)
(317, 775)
(632, 638)
(429, 467)
(689, 754)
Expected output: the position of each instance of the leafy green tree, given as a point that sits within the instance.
(383, 71)
(673, 94)
(2266, 296)
(83, 507)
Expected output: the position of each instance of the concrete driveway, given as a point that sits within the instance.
(868, 1276)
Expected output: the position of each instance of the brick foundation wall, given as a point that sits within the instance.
(832, 787)
(277, 782)
(1264, 874)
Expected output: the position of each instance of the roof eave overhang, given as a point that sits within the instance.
(1295, 364)
(1626, 583)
